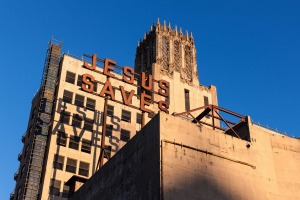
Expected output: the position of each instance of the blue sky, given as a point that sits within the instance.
(248, 49)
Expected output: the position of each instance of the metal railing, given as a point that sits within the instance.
(274, 129)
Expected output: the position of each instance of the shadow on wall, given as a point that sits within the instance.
(200, 187)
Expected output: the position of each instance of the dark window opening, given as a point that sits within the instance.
(95, 86)
(90, 104)
(109, 130)
(54, 187)
(71, 165)
(125, 135)
(110, 111)
(127, 95)
(88, 124)
(67, 96)
(206, 103)
(65, 117)
(79, 100)
(70, 77)
(79, 80)
(84, 168)
(76, 120)
(66, 190)
(61, 139)
(138, 118)
(86, 146)
(126, 116)
(58, 162)
(74, 142)
(187, 99)
(107, 150)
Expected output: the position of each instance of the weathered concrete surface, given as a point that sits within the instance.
(175, 159)
(229, 170)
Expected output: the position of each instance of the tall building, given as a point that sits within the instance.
(87, 108)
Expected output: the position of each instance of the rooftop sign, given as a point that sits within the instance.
(146, 86)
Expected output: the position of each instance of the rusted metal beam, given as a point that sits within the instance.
(228, 125)
(229, 112)
(193, 110)
(201, 115)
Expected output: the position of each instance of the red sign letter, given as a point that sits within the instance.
(88, 83)
(107, 89)
(93, 66)
(107, 68)
(164, 88)
(128, 71)
(144, 82)
(126, 99)
(144, 96)
(163, 106)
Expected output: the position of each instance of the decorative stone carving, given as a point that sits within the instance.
(165, 52)
(177, 57)
(171, 50)
(188, 61)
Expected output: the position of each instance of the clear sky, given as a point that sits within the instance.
(250, 50)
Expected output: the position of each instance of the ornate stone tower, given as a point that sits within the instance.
(166, 51)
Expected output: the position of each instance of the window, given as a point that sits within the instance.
(109, 129)
(79, 100)
(74, 142)
(70, 78)
(79, 80)
(65, 117)
(67, 97)
(127, 95)
(66, 190)
(125, 135)
(206, 104)
(187, 99)
(71, 165)
(61, 139)
(86, 146)
(84, 168)
(76, 120)
(110, 111)
(58, 162)
(95, 86)
(54, 187)
(206, 101)
(88, 124)
(90, 104)
(138, 118)
(107, 150)
(126, 116)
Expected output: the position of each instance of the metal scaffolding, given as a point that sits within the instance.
(35, 159)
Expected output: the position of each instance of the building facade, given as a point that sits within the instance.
(88, 108)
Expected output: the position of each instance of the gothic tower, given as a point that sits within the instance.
(166, 51)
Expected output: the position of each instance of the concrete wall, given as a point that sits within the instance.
(207, 164)
(133, 173)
